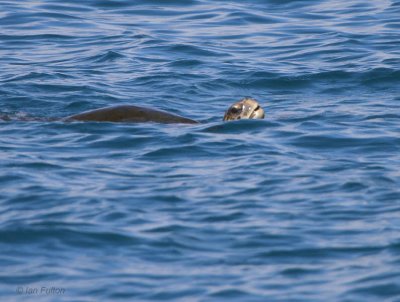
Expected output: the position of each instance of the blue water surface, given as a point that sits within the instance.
(301, 206)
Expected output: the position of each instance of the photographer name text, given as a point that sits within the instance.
(40, 291)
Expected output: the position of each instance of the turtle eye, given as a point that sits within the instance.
(235, 110)
(258, 107)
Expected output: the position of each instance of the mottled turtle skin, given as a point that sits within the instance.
(246, 108)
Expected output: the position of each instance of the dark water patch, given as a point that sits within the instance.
(64, 7)
(27, 278)
(117, 142)
(298, 272)
(185, 63)
(224, 218)
(167, 229)
(385, 117)
(379, 286)
(68, 236)
(193, 50)
(353, 186)
(56, 16)
(322, 142)
(381, 75)
(17, 18)
(124, 4)
(180, 152)
(233, 293)
(279, 83)
(201, 16)
(243, 18)
(317, 255)
(31, 38)
(276, 81)
(111, 4)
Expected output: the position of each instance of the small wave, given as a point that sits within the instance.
(109, 56)
(195, 50)
(37, 76)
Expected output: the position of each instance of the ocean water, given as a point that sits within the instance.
(301, 206)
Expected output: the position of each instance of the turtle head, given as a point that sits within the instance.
(246, 108)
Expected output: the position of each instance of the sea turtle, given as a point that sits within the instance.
(247, 108)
